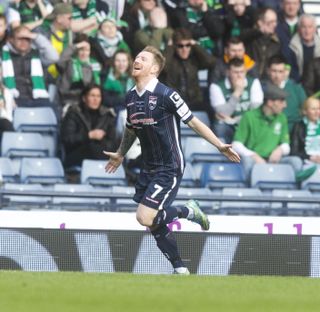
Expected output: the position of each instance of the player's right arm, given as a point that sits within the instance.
(116, 158)
(203, 130)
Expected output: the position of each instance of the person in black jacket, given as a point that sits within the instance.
(88, 128)
(305, 136)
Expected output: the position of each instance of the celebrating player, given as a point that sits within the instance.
(154, 113)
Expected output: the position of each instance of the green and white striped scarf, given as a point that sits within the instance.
(91, 10)
(77, 73)
(38, 84)
(195, 17)
(312, 145)
(120, 86)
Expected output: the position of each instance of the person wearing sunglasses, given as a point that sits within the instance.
(184, 58)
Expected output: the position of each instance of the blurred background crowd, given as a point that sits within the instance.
(252, 67)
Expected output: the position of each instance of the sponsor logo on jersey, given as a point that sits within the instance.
(152, 102)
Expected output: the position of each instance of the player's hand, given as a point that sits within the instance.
(226, 149)
(115, 160)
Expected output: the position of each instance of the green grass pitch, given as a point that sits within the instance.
(88, 292)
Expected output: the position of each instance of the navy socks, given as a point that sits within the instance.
(167, 243)
(165, 217)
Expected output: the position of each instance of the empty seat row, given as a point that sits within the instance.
(266, 177)
(214, 176)
(47, 170)
(231, 201)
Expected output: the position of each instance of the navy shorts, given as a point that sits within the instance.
(157, 190)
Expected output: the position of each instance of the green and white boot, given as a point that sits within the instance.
(196, 214)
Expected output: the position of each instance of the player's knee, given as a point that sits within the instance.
(144, 219)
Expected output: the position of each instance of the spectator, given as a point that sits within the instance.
(288, 24)
(278, 75)
(265, 42)
(305, 137)
(157, 34)
(311, 77)
(239, 17)
(262, 135)
(205, 24)
(11, 13)
(305, 44)
(118, 81)
(87, 14)
(7, 106)
(3, 30)
(183, 61)
(32, 12)
(234, 48)
(274, 4)
(233, 96)
(108, 41)
(77, 70)
(57, 28)
(137, 17)
(88, 128)
(23, 66)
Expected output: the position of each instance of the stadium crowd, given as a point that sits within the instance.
(260, 59)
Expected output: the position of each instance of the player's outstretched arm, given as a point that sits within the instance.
(116, 159)
(226, 149)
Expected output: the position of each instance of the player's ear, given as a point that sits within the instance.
(155, 68)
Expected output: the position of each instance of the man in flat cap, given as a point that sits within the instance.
(57, 28)
(262, 135)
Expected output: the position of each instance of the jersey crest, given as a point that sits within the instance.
(152, 102)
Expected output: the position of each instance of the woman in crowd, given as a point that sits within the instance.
(77, 70)
(118, 80)
(108, 41)
(88, 128)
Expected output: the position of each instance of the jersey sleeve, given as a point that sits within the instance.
(178, 106)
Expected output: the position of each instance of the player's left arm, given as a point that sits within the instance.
(203, 130)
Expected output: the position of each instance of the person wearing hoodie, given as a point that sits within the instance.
(234, 48)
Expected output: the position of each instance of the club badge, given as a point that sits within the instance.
(152, 102)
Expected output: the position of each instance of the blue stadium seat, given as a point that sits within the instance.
(35, 119)
(272, 176)
(220, 175)
(123, 204)
(206, 205)
(290, 209)
(312, 183)
(41, 120)
(7, 171)
(78, 203)
(189, 179)
(19, 144)
(198, 149)
(42, 170)
(241, 206)
(93, 172)
(19, 201)
(187, 131)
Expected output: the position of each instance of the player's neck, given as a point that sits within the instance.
(141, 82)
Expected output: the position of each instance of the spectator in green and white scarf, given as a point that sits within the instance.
(87, 14)
(77, 70)
(32, 12)
(118, 81)
(108, 41)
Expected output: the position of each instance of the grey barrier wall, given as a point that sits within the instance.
(135, 251)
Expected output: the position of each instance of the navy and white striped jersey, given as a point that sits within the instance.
(155, 115)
